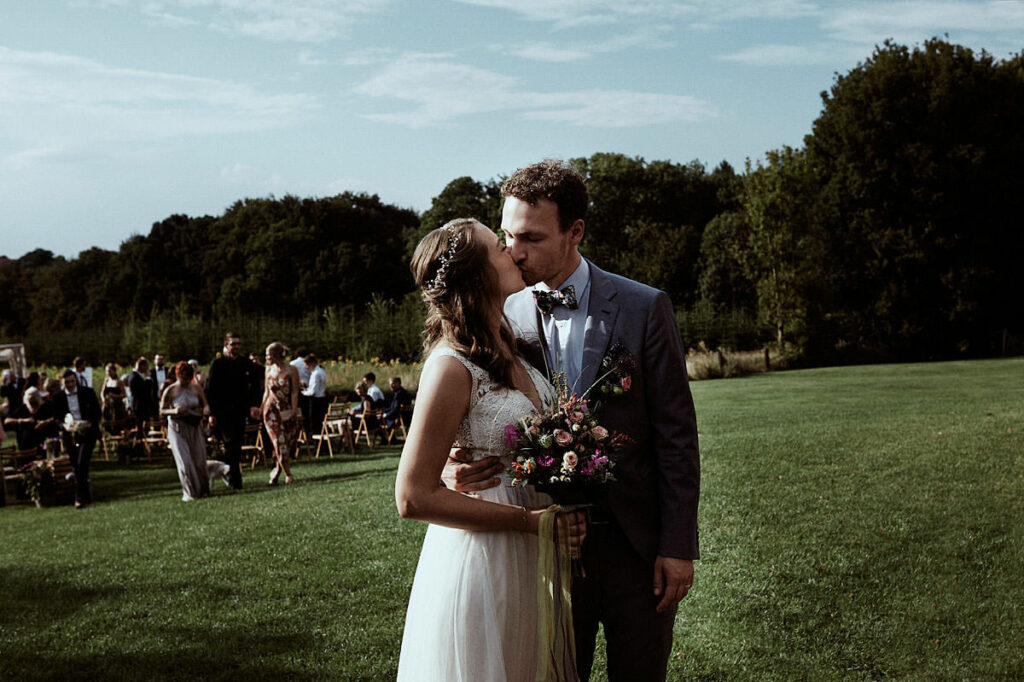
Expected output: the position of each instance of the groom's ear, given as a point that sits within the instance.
(576, 232)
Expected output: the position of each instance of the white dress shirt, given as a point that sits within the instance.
(161, 376)
(300, 365)
(564, 328)
(376, 395)
(73, 407)
(317, 383)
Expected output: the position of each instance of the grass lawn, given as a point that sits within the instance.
(856, 524)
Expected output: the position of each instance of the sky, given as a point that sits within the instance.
(115, 114)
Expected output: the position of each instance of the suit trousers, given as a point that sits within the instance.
(307, 416)
(231, 435)
(618, 592)
(318, 410)
(80, 447)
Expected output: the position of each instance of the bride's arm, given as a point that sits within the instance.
(442, 402)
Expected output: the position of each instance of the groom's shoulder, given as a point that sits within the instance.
(628, 288)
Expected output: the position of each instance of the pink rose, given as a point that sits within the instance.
(576, 417)
(534, 430)
(562, 437)
(570, 460)
(626, 382)
(511, 435)
(600, 433)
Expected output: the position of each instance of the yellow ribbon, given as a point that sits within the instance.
(556, 646)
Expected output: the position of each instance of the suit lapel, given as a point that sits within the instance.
(602, 311)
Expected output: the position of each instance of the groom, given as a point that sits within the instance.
(640, 546)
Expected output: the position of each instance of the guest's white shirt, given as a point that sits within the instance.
(73, 407)
(564, 329)
(376, 395)
(161, 375)
(300, 364)
(317, 383)
(85, 377)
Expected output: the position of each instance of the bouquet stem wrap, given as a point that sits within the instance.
(556, 646)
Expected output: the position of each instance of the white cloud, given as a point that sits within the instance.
(852, 30)
(53, 99)
(915, 20)
(440, 91)
(824, 54)
(569, 13)
(542, 51)
(303, 21)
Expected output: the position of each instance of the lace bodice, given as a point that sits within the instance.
(492, 407)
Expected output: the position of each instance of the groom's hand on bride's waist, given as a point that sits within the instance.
(463, 474)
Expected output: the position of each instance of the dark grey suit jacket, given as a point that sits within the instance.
(655, 497)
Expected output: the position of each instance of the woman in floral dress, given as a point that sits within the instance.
(280, 409)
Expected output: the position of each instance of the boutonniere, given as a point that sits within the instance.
(617, 369)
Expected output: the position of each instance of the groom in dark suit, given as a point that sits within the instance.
(642, 540)
(232, 390)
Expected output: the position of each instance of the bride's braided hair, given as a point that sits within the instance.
(461, 291)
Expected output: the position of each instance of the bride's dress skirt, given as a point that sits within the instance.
(472, 614)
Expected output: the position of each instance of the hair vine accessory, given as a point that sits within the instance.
(445, 258)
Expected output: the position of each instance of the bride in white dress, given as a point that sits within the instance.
(472, 613)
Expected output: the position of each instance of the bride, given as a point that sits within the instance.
(472, 613)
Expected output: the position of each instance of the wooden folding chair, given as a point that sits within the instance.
(12, 459)
(114, 432)
(335, 426)
(404, 417)
(154, 436)
(362, 429)
(252, 442)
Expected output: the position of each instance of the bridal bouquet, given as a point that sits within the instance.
(562, 445)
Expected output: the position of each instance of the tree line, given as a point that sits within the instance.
(889, 235)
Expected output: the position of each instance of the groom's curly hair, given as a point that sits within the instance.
(460, 312)
(554, 180)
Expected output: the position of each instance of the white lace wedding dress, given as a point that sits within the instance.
(472, 613)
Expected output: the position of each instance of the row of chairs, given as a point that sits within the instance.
(336, 426)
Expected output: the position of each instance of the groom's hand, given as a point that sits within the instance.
(672, 580)
(464, 475)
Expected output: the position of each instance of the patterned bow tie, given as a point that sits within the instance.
(546, 300)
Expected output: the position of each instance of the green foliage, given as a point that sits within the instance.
(917, 157)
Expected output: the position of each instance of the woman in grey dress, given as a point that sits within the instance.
(183, 403)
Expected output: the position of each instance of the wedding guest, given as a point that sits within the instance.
(198, 377)
(316, 394)
(399, 398)
(172, 376)
(32, 381)
(11, 391)
(33, 421)
(84, 373)
(50, 387)
(77, 410)
(281, 409)
(233, 387)
(299, 363)
(183, 404)
(364, 405)
(373, 390)
(113, 395)
(143, 404)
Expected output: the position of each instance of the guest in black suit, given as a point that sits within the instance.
(143, 395)
(234, 388)
(159, 375)
(399, 398)
(80, 434)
